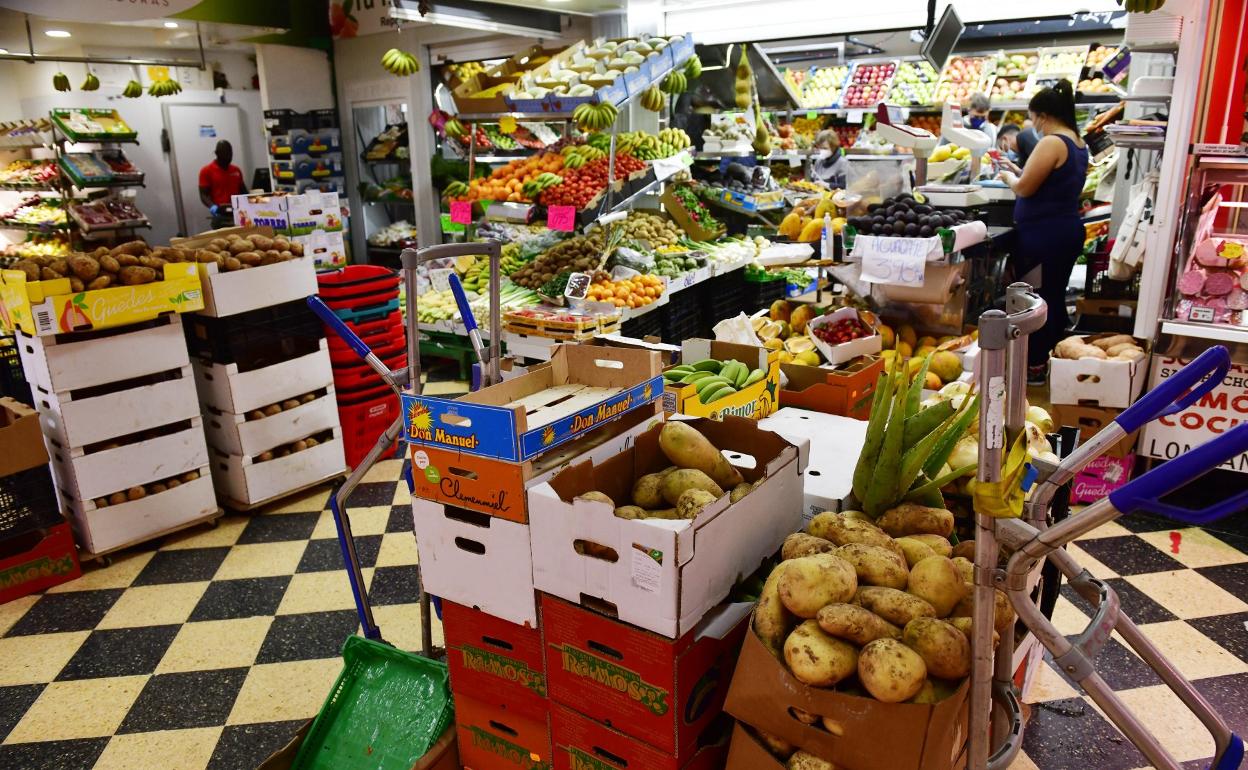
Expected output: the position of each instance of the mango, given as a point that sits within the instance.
(800, 317)
(888, 337)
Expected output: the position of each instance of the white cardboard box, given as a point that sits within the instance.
(225, 388)
(114, 526)
(838, 354)
(79, 422)
(96, 360)
(235, 434)
(668, 573)
(99, 474)
(238, 291)
(834, 445)
(477, 560)
(1095, 382)
(240, 479)
(324, 249)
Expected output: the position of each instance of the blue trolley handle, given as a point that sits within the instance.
(1178, 391)
(1147, 490)
(461, 300)
(340, 328)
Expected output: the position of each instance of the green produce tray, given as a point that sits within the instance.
(386, 710)
(76, 124)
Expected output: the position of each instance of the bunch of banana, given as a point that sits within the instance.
(512, 259)
(715, 379)
(534, 187)
(454, 129)
(642, 146)
(476, 276)
(674, 83)
(60, 81)
(595, 117)
(652, 99)
(693, 67)
(1143, 6)
(166, 87)
(455, 189)
(92, 83)
(600, 141)
(133, 90)
(676, 137)
(577, 155)
(399, 63)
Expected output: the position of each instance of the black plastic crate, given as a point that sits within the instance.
(1100, 286)
(257, 338)
(683, 316)
(27, 503)
(648, 325)
(760, 294)
(12, 379)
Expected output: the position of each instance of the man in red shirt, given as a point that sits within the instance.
(219, 180)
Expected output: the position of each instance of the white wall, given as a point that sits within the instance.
(293, 78)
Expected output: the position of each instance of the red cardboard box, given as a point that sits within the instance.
(1089, 420)
(493, 738)
(661, 691)
(873, 735)
(580, 743)
(846, 392)
(37, 560)
(493, 660)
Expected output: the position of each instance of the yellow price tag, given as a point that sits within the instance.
(507, 124)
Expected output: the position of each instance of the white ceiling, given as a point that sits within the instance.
(145, 35)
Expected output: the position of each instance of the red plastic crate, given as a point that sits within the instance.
(365, 415)
(371, 332)
(37, 560)
(385, 344)
(355, 281)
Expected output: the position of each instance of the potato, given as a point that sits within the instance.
(691, 502)
(48, 274)
(30, 268)
(239, 246)
(272, 409)
(772, 621)
(936, 580)
(190, 476)
(101, 502)
(939, 544)
(1076, 348)
(897, 607)
(687, 448)
(597, 497)
(264, 456)
(891, 671)
(646, 492)
(914, 550)
(1002, 614)
(1121, 347)
(803, 761)
(136, 493)
(109, 264)
(966, 549)
(136, 275)
(874, 565)
(290, 403)
(231, 263)
(944, 649)
(311, 442)
(76, 284)
(739, 491)
(966, 568)
(130, 248)
(816, 659)
(915, 519)
(255, 414)
(925, 695)
(127, 260)
(86, 268)
(117, 498)
(965, 625)
(307, 398)
(676, 482)
(812, 582)
(101, 282)
(157, 488)
(296, 249)
(249, 258)
(1131, 354)
(776, 746)
(843, 529)
(855, 624)
(800, 544)
(1105, 343)
(630, 512)
(173, 483)
(261, 242)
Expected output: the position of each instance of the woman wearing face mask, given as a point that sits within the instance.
(1049, 231)
(830, 164)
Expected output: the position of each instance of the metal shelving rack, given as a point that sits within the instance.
(59, 140)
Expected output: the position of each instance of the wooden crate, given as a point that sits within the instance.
(583, 328)
(224, 387)
(235, 434)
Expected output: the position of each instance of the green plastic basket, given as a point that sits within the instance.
(386, 710)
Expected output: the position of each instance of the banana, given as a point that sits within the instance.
(92, 83)
(133, 90)
(60, 81)
(708, 365)
(755, 376)
(689, 379)
(715, 395)
(711, 384)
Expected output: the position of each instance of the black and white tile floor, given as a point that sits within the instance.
(209, 649)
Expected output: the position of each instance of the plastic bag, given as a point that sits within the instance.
(1003, 499)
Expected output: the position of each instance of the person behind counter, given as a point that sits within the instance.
(977, 116)
(830, 164)
(1017, 142)
(1049, 231)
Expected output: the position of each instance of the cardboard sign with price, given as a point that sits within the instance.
(894, 261)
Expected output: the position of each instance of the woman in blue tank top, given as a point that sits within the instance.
(1048, 228)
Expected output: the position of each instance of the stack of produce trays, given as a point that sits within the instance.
(123, 430)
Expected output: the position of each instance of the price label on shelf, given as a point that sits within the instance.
(893, 261)
(461, 212)
(507, 125)
(561, 218)
(450, 227)
(853, 116)
(812, 115)
(666, 167)
(1202, 314)
(441, 278)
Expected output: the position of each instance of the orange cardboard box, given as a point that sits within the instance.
(845, 392)
(495, 738)
(492, 659)
(580, 743)
(1089, 420)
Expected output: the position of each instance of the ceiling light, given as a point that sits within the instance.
(171, 25)
(56, 33)
(4, 50)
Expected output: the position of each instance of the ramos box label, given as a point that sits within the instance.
(508, 669)
(603, 672)
(510, 752)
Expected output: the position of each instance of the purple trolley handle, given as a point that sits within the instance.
(1179, 391)
(1147, 490)
(341, 329)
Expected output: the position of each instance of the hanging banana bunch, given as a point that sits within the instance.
(595, 117)
(60, 81)
(400, 63)
(164, 87)
(133, 90)
(652, 99)
(693, 68)
(92, 83)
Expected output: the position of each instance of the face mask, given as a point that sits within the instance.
(824, 154)
(976, 121)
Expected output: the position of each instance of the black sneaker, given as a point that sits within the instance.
(1037, 375)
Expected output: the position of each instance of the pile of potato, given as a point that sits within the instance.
(575, 255)
(140, 492)
(295, 446)
(876, 609)
(280, 406)
(655, 229)
(699, 477)
(1111, 347)
(135, 262)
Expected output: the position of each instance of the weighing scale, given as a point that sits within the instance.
(953, 129)
(920, 141)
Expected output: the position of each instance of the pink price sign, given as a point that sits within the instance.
(561, 218)
(461, 212)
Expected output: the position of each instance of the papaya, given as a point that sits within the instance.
(811, 230)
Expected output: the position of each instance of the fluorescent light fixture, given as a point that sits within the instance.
(4, 50)
(464, 22)
(171, 25)
(57, 33)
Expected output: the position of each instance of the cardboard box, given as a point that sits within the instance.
(494, 738)
(492, 659)
(1217, 412)
(846, 392)
(670, 353)
(84, 361)
(324, 249)
(1103, 475)
(917, 736)
(498, 487)
(99, 474)
(477, 560)
(1089, 420)
(235, 434)
(747, 753)
(846, 351)
(754, 401)
(443, 755)
(521, 418)
(116, 526)
(21, 441)
(36, 561)
(1096, 382)
(831, 445)
(657, 690)
(238, 291)
(241, 479)
(288, 214)
(667, 574)
(225, 388)
(580, 742)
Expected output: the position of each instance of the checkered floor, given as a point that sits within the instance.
(208, 650)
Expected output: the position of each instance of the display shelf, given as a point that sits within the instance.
(42, 227)
(1216, 332)
(1128, 142)
(1146, 98)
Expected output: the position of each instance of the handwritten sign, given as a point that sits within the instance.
(440, 278)
(561, 218)
(853, 116)
(666, 167)
(893, 261)
(507, 125)
(461, 212)
(450, 227)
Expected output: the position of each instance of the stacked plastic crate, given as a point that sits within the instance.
(366, 298)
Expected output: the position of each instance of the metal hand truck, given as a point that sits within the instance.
(410, 260)
(995, 711)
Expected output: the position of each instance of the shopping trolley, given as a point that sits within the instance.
(1027, 541)
(489, 358)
